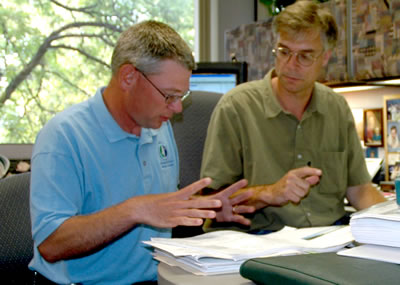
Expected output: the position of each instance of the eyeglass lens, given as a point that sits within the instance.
(302, 57)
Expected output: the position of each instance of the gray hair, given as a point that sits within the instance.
(305, 15)
(146, 44)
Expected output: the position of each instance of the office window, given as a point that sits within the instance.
(56, 53)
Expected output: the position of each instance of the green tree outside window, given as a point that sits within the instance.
(55, 53)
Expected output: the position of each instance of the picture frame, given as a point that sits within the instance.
(391, 133)
(373, 127)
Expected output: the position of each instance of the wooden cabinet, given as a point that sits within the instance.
(252, 43)
(376, 38)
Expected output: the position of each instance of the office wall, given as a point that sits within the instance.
(224, 15)
(369, 99)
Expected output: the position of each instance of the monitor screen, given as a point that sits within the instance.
(219, 77)
(213, 82)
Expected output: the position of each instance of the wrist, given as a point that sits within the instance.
(260, 198)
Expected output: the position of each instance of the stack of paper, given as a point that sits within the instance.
(378, 229)
(379, 224)
(223, 252)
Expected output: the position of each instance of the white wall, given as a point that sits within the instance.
(226, 15)
(369, 99)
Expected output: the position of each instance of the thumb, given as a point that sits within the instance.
(312, 180)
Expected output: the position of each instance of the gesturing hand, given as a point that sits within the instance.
(231, 208)
(177, 208)
(292, 187)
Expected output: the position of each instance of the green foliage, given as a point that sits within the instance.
(276, 6)
(55, 53)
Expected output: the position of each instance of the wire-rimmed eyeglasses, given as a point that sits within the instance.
(169, 99)
(304, 58)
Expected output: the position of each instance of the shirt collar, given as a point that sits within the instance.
(273, 107)
(110, 127)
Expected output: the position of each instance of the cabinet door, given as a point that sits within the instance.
(376, 38)
(252, 43)
(336, 70)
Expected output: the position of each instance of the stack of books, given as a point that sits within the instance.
(222, 252)
(378, 230)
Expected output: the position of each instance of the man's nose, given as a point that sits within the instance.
(292, 60)
(176, 106)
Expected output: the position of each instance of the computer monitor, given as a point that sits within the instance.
(219, 77)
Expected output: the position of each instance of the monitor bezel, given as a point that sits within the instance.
(237, 68)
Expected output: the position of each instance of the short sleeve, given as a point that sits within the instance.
(222, 155)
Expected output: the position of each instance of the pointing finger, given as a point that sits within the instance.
(193, 188)
(227, 192)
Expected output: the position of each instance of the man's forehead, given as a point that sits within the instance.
(305, 39)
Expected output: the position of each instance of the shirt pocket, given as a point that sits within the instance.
(334, 172)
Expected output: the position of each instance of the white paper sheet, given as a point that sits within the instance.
(222, 252)
(374, 252)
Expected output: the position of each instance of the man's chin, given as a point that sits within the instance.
(156, 126)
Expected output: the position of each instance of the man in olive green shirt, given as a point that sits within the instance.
(293, 139)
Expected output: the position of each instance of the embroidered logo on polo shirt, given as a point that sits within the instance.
(163, 152)
(165, 157)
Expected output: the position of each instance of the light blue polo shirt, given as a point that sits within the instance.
(84, 162)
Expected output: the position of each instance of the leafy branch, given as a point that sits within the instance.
(44, 48)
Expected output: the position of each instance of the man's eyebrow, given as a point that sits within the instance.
(173, 91)
(302, 50)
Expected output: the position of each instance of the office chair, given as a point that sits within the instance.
(16, 244)
(190, 129)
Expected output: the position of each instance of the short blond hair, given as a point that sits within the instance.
(305, 15)
(147, 43)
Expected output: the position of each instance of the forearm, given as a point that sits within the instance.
(364, 196)
(80, 235)
(261, 196)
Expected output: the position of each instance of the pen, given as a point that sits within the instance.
(323, 232)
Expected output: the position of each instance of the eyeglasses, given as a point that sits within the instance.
(169, 99)
(304, 58)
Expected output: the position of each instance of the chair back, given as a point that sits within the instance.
(16, 244)
(190, 129)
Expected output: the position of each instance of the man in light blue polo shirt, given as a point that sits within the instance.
(105, 171)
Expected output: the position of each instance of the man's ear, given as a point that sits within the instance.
(126, 76)
(327, 56)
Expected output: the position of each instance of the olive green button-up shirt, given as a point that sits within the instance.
(250, 136)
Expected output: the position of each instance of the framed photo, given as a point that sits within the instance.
(373, 127)
(391, 128)
(372, 152)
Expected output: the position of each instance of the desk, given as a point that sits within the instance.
(171, 275)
